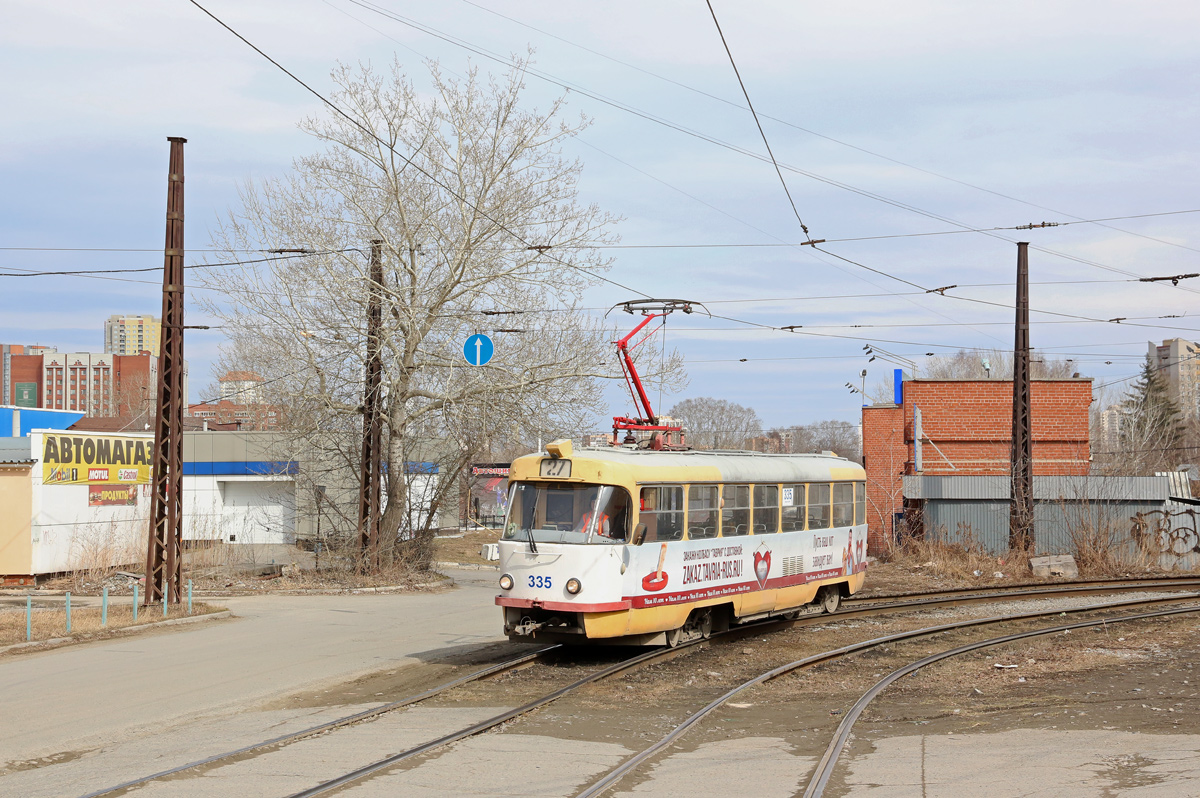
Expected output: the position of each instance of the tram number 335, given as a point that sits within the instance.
(539, 581)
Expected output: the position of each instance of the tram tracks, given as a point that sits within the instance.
(303, 734)
(922, 601)
(821, 775)
(820, 778)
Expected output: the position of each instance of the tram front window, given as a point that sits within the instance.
(567, 513)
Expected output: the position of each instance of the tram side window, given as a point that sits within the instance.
(735, 511)
(766, 509)
(843, 503)
(860, 502)
(702, 512)
(793, 508)
(818, 506)
(662, 513)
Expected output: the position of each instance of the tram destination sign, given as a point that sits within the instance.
(556, 468)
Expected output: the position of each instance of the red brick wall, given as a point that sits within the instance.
(25, 368)
(134, 388)
(970, 421)
(885, 459)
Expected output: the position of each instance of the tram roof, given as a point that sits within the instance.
(734, 466)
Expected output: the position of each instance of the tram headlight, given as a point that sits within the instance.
(574, 586)
(506, 582)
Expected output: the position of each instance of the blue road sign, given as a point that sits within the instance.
(478, 349)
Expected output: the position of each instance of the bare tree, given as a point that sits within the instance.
(830, 435)
(979, 364)
(481, 231)
(715, 423)
(1149, 431)
(993, 364)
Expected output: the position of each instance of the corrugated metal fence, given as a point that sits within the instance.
(1134, 515)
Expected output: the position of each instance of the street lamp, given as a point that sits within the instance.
(860, 391)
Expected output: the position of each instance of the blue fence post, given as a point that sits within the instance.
(68, 612)
(104, 608)
(135, 603)
(189, 597)
(165, 592)
(28, 617)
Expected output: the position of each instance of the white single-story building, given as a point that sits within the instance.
(72, 501)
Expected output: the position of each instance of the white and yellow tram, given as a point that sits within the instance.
(626, 545)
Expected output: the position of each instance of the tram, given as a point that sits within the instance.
(632, 545)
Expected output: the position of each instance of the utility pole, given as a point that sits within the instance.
(1020, 519)
(163, 553)
(368, 494)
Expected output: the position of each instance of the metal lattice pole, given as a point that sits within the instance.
(163, 561)
(369, 491)
(1020, 534)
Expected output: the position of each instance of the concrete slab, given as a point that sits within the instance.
(80, 771)
(763, 767)
(106, 692)
(309, 762)
(500, 764)
(1026, 763)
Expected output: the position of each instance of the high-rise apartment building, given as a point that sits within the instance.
(132, 335)
(1179, 361)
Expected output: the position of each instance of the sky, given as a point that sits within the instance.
(900, 128)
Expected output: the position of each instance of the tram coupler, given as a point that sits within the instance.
(527, 627)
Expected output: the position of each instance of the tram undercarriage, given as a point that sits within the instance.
(535, 624)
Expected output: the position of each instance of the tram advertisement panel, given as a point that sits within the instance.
(685, 571)
(95, 459)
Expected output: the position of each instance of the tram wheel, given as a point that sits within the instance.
(703, 623)
(831, 599)
(674, 636)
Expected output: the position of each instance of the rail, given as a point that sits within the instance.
(873, 606)
(628, 766)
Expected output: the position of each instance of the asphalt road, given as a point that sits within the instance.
(107, 692)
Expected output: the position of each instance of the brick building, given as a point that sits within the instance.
(104, 385)
(224, 414)
(965, 429)
(240, 406)
(21, 376)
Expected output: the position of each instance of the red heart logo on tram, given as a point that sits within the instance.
(762, 566)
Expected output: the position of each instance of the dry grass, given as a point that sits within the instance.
(959, 562)
(97, 551)
(85, 622)
(335, 577)
(1099, 552)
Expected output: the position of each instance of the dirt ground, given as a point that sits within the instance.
(465, 549)
(49, 620)
(1132, 677)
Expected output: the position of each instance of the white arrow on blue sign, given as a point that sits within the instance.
(478, 349)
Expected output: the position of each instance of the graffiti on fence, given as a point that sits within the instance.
(1164, 532)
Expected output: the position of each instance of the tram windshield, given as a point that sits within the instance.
(567, 513)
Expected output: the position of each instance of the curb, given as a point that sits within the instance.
(212, 616)
(466, 566)
(300, 591)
